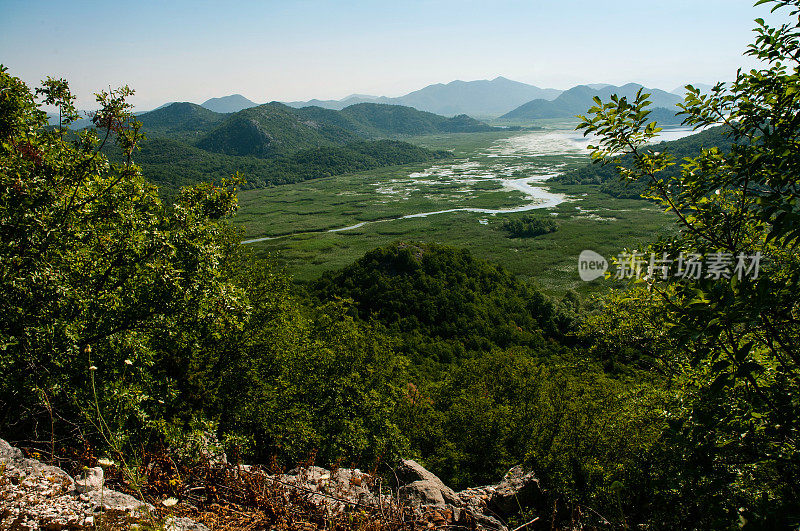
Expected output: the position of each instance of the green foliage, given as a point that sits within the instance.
(92, 263)
(580, 430)
(736, 339)
(444, 303)
(328, 390)
(528, 226)
(132, 322)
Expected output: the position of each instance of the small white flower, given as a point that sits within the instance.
(104, 462)
(128, 362)
(169, 502)
(92, 367)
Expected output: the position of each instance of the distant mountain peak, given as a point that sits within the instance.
(482, 97)
(228, 104)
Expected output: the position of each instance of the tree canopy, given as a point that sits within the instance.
(735, 340)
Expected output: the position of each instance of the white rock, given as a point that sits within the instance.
(92, 480)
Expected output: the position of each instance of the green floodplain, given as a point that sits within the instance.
(326, 224)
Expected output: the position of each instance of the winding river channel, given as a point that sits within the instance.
(503, 159)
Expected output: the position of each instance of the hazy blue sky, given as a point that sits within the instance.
(191, 50)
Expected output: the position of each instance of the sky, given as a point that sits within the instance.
(287, 50)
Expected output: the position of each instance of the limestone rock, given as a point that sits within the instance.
(423, 487)
(350, 484)
(517, 488)
(92, 480)
(212, 451)
(34, 495)
(10, 455)
(183, 524)
(111, 501)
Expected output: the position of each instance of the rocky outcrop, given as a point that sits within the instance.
(475, 508)
(38, 496)
(335, 489)
(421, 487)
(34, 495)
(517, 489)
(92, 480)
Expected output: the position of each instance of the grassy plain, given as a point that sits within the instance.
(299, 216)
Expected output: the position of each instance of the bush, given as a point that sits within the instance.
(529, 226)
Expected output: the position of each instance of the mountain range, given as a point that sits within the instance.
(274, 143)
(483, 98)
(578, 99)
(275, 129)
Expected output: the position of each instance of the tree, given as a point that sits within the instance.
(738, 336)
(91, 263)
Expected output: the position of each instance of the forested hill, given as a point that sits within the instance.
(610, 182)
(577, 99)
(276, 144)
(443, 302)
(171, 164)
(180, 120)
(382, 120)
(274, 128)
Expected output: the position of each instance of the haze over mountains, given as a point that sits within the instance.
(578, 99)
(481, 98)
(227, 104)
(485, 99)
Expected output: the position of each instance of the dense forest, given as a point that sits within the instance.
(134, 323)
(171, 164)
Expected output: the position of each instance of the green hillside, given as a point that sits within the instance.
(171, 164)
(275, 129)
(275, 144)
(180, 120)
(385, 120)
(443, 302)
(270, 130)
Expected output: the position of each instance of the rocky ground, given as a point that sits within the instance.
(34, 495)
